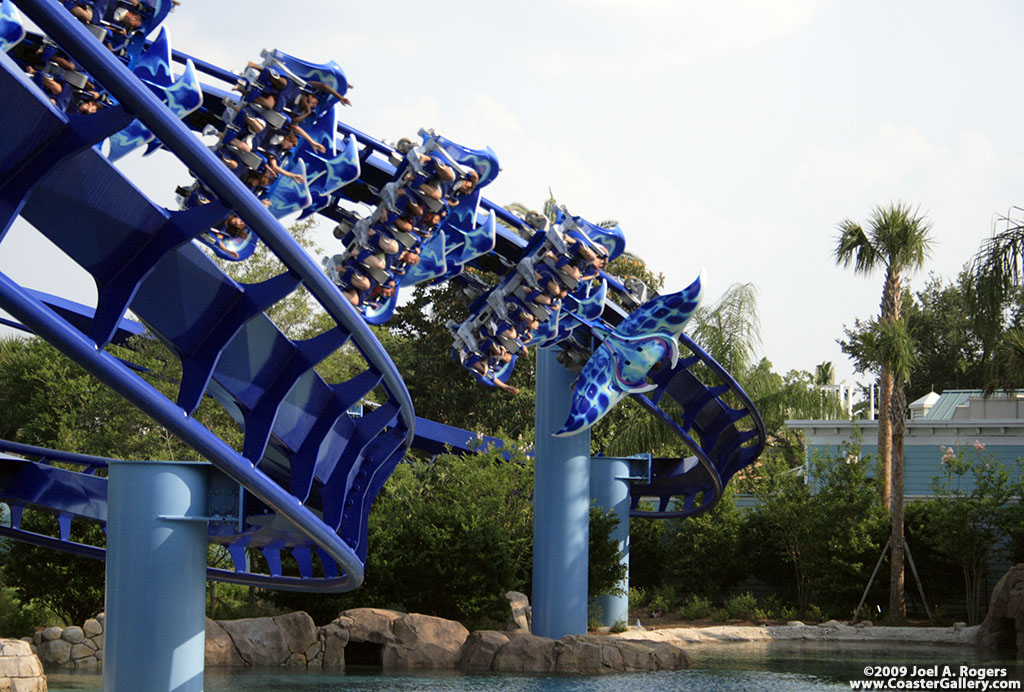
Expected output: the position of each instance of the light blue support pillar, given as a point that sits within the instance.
(156, 577)
(561, 508)
(609, 488)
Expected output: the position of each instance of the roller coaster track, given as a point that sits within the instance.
(308, 468)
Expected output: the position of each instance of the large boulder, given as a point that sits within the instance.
(299, 632)
(478, 652)
(55, 652)
(371, 625)
(521, 614)
(259, 641)
(424, 641)
(220, 650)
(579, 654)
(1003, 627)
(333, 638)
(20, 670)
(526, 653)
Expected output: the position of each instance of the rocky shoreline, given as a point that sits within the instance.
(397, 641)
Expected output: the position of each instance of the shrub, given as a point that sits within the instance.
(663, 599)
(695, 608)
(740, 606)
(619, 627)
(637, 597)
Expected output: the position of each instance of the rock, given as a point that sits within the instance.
(1003, 627)
(578, 654)
(478, 651)
(220, 650)
(92, 627)
(73, 634)
(668, 656)
(424, 641)
(865, 623)
(51, 633)
(296, 660)
(795, 623)
(636, 656)
(611, 658)
(20, 670)
(259, 641)
(520, 605)
(89, 664)
(368, 624)
(37, 638)
(81, 651)
(313, 651)
(299, 631)
(55, 652)
(334, 638)
(831, 625)
(526, 653)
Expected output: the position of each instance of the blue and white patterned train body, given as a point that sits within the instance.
(619, 366)
(11, 29)
(182, 95)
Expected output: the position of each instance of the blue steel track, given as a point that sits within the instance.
(309, 469)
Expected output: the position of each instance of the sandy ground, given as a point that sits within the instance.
(957, 635)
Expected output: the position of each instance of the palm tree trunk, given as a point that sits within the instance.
(892, 303)
(884, 437)
(897, 597)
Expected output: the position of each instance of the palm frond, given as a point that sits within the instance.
(730, 330)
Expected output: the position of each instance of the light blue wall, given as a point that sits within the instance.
(923, 462)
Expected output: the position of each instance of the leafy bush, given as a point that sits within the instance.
(706, 551)
(662, 600)
(619, 627)
(816, 539)
(740, 606)
(972, 510)
(695, 608)
(637, 597)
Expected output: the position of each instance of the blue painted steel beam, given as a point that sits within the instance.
(609, 488)
(156, 577)
(561, 508)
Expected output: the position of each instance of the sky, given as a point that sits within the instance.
(729, 135)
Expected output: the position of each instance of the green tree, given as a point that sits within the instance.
(704, 553)
(897, 240)
(971, 512)
(68, 585)
(815, 536)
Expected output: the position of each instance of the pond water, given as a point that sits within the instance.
(754, 667)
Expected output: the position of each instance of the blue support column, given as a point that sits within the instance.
(561, 508)
(609, 488)
(156, 577)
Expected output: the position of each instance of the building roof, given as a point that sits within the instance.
(957, 403)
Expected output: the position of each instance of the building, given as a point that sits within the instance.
(956, 418)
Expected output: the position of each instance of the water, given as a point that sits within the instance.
(753, 667)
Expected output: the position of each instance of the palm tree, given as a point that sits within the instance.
(896, 349)
(996, 274)
(898, 240)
